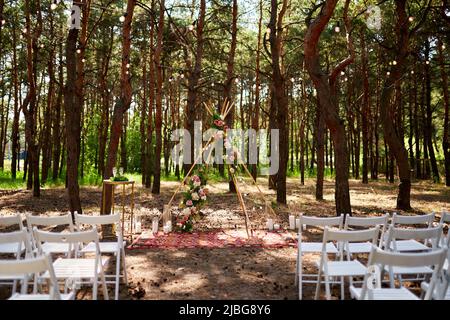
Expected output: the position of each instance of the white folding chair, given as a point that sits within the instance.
(395, 235)
(411, 221)
(64, 220)
(371, 288)
(365, 222)
(312, 247)
(445, 219)
(20, 241)
(76, 270)
(342, 268)
(115, 247)
(32, 268)
(11, 248)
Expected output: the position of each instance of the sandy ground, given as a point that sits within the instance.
(232, 273)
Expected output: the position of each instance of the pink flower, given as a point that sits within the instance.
(189, 203)
(218, 123)
(195, 178)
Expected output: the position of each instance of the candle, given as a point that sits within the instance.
(169, 225)
(270, 224)
(297, 223)
(291, 222)
(276, 226)
(138, 225)
(155, 222)
(166, 229)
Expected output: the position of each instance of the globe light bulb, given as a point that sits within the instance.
(411, 19)
(268, 30)
(427, 62)
(191, 27)
(412, 71)
(292, 80)
(122, 18)
(337, 29)
(388, 73)
(24, 30)
(394, 63)
(83, 60)
(236, 80)
(443, 47)
(128, 66)
(53, 6)
(42, 45)
(3, 22)
(78, 51)
(342, 73)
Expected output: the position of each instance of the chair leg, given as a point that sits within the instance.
(124, 266)
(319, 277)
(342, 289)
(105, 289)
(300, 284)
(327, 288)
(95, 288)
(118, 262)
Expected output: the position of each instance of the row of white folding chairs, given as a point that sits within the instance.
(68, 248)
(398, 240)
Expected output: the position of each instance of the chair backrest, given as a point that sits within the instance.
(11, 220)
(381, 221)
(344, 237)
(445, 217)
(66, 219)
(32, 266)
(74, 238)
(427, 219)
(429, 234)
(81, 219)
(21, 238)
(321, 221)
(434, 258)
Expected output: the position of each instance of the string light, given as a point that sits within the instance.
(394, 63)
(342, 73)
(181, 76)
(292, 80)
(78, 51)
(191, 27)
(346, 79)
(83, 60)
(128, 66)
(42, 45)
(24, 30)
(412, 71)
(388, 73)
(236, 80)
(268, 30)
(427, 62)
(122, 17)
(411, 19)
(337, 28)
(3, 22)
(126, 72)
(443, 47)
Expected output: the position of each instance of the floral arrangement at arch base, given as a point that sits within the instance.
(194, 197)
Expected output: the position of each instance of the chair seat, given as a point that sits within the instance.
(386, 294)
(410, 270)
(50, 247)
(105, 247)
(17, 296)
(409, 245)
(359, 247)
(75, 268)
(10, 248)
(311, 247)
(345, 268)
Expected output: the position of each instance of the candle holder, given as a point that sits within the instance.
(291, 222)
(155, 225)
(270, 224)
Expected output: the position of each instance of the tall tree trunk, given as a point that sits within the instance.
(123, 102)
(159, 95)
(280, 100)
(15, 160)
(365, 110)
(445, 139)
(326, 93)
(320, 130)
(395, 144)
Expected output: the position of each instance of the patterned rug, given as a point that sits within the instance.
(214, 239)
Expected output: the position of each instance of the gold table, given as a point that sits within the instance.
(123, 184)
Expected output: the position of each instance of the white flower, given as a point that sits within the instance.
(227, 144)
(195, 196)
(203, 198)
(222, 117)
(186, 211)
